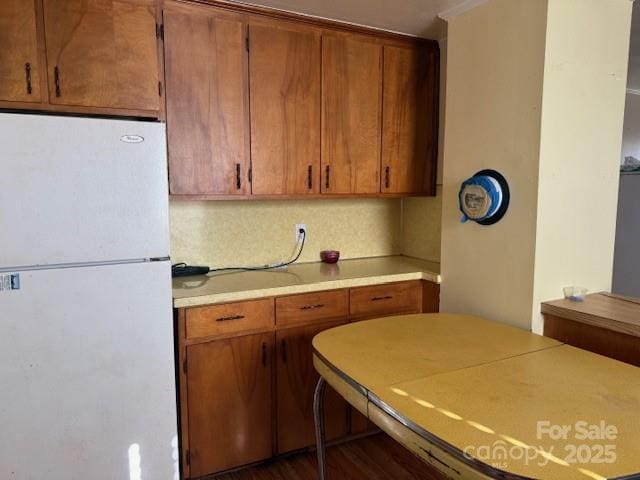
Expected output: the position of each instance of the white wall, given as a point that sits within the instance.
(494, 89)
(587, 49)
(536, 91)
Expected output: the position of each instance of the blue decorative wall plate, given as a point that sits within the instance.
(484, 198)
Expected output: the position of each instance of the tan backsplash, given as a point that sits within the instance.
(232, 233)
(422, 226)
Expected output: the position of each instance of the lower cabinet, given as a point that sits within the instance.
(246, 373)
(230, 409)
(296, 381)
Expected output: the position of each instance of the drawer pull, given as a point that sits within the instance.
(226, 319)
(385, 297)
(312, 307)
(27, 72)
(56, 76)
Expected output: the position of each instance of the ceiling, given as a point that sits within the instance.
(415, 17)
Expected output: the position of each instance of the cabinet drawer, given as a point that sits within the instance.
(389, 298)
(229, 318)
(309, 307)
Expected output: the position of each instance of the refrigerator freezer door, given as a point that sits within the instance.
(76, 190)
(87, 375)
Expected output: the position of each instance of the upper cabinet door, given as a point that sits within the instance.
(351, 101)
(20, 66)
(207, 101)
(409, 120)
(102, 53)
(285, 109)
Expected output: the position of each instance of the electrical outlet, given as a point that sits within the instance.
(300, 226)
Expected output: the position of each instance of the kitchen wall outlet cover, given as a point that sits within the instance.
(484, 198)
(300, 226)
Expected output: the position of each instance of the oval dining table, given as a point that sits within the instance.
(478, 399)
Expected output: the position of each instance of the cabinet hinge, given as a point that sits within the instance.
(159, 89)
(184, 366)
(187, 458)
(250, 175)
(160, 31)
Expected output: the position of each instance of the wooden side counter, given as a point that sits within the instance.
(603, 323)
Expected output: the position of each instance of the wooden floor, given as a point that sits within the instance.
(377, 457)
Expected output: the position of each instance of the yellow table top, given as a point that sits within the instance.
(509, 399)
(396, 349)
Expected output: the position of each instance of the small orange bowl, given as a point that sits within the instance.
(330, 256)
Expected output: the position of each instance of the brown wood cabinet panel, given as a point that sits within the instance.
(285, 109)
(409, 120)
(296, 380)
(351, 115)
(430, 297)
(230, 410)
(20, 59)
(602, 340)
(102, 53)
(206, 71)
(229, 318)
(312, 307)
(386, 299)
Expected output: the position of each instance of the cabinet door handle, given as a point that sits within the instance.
(312, 307)
(327, 173)
(233, 317)
(264, 354)
(387, 175)
(310, 177)
(284, 351)
(238, 181)
(27, 73)
(56, 79)
(384, 297)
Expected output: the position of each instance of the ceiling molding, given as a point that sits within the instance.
(459, 9)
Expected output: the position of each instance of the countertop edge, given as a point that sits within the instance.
(306, 288)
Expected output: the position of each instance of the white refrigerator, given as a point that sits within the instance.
(87, 379)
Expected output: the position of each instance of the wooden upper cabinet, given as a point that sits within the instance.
(409, 120)
(285, 108)
(20, 60)
(296, 382)
(206, 71)
(102, 54)
(229, 394)
(351, 109)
